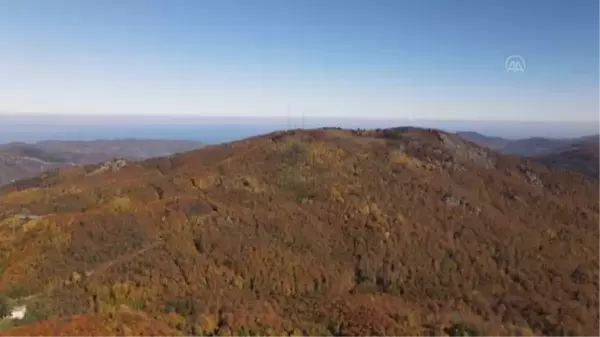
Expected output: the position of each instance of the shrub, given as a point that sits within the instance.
(460, 329)
(4, 306)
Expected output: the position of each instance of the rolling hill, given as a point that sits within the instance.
(22, 160)
(528, 146)
(576, 154)
(401, 231)
(580, 157)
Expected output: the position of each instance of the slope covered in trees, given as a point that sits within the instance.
(381, 232)
(581, 157)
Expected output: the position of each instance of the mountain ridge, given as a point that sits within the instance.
(576, 154)
(397, 231)
(580, 157)
(526, 146)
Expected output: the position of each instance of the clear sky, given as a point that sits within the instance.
(407, 59)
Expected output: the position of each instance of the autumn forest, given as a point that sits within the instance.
(402, 231)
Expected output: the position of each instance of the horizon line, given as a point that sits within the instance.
(283, 117)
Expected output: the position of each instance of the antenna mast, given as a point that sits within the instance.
(289, 121)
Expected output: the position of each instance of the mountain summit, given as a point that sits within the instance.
(401, 231)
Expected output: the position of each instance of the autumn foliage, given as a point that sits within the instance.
(380, 232)
(122, 324)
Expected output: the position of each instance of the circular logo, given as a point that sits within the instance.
(515, 64)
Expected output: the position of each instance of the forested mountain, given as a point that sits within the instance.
(399, 231)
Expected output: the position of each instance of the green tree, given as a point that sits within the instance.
(4, 306)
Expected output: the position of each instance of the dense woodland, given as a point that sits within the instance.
(325, 232)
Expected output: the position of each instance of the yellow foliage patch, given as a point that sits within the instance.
(28, 196)
(400, 218)
(207, 324)
(324, 154)
(175, 321)
(400, 157)
(336, 194)
(121, 204)
(71, 189)
(12, 222)
(35, 223)
(110, 299)
(205, 181)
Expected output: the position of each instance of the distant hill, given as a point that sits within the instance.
(577, 154)
(132, 148)
(494, 143)
(527, 146)
(582, 157)
(22, 160)
(400, 231)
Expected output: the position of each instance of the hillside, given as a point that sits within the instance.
(22, 160)
(384, 232)
(133, 148)
(528, 146)
(494, 143)
(576, 154)
(581, 157)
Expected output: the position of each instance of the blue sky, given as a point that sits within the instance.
(337, 58)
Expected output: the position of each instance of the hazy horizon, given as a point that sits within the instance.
(227, 69)
(31, 128)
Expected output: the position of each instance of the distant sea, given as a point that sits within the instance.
(209, 134)
(211, 131)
